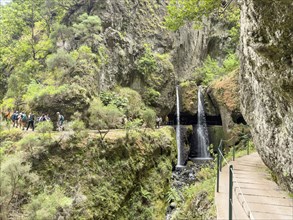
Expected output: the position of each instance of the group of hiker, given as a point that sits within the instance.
(23, 121)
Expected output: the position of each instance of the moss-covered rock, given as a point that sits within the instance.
(216, 133)
(188, 97)
(72, 99)
(224, 93)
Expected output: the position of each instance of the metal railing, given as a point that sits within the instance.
(232, 181)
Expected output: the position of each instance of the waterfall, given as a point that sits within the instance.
(180, 153)
(201, 129)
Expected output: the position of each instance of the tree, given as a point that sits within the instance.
(181, 11)
(87, 30)
(104, 117)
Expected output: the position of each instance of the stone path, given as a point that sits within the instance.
(253, 192)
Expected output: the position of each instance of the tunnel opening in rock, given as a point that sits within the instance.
(189, 119)
(238, 118)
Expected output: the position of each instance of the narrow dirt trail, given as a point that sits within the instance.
(253, 191)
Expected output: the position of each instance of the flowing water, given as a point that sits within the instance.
(201, 129)
(180, 153)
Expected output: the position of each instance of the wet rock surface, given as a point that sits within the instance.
(185, 177)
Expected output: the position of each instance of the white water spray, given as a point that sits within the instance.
(180, 162)
(202, 130)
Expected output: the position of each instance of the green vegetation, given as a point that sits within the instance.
(40, 57)
(147, 63)
(79, 177)
(182, 11)
(211, 70)
(104, 117)
(199, 198)
(15, 177)
(149, 117)
(46, 205)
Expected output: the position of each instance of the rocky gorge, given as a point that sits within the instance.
(111, 67)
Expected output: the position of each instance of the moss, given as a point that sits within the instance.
(189, 96)
(127, 177)
(216, 133)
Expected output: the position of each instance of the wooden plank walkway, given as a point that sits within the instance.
(254, 190)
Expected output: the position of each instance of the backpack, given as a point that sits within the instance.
(15, 116)
(61, 118)
(23, 117)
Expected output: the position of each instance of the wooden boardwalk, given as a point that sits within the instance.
(253, 192)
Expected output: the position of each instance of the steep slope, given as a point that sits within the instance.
(266, 81)
(91, 46)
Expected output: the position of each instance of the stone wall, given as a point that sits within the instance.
(266, 81)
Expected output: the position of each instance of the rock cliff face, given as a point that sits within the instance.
(129, 26)
(266, 81)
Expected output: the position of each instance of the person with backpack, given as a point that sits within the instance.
(14, 119)
(23, 120)
(42, 118)
(60, 120)
(31, 121)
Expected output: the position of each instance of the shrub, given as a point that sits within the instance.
(46, 205)
(134, 101)
(35, 144)
(36, 91)
(152, 96)
(44, 127)
(15, 179)
(147, 63)
(61, 59)
(11, 135)
(115, 99)
(149, 117)
(211, 69)
(7, 103)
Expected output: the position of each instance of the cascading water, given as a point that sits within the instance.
(180, 153)
(202, 129)
(199, 150)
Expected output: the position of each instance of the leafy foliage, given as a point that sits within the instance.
(173, 196)
(152, 96)
(111, 98)
(147, 63)
(104, 117)
(87, 30)
(211, 69)
(134, 102)
(182, 11)
(149, 117)
(45, 205)
(44, 127)
(15, 177)
(60, 60)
